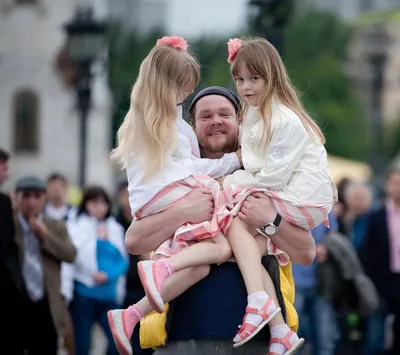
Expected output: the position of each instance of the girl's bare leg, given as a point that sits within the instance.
(248, 256)
(123, 322)
(177, 284)
(267, 281)
(246, 252)
(154, 274)
(206, 252)
(277, 325)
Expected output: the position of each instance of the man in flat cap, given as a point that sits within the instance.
(43, 243)
(12, 295)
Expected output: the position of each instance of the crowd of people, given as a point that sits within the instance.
(68, 267)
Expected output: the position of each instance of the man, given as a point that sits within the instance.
(359, 199)
(43, 243)
(12, 296)
(380, 251)
(317, 316)
(57, 206)
(205, 318)
(4, 158)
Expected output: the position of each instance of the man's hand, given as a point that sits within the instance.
(38, 228)
(321, 253)
(196, 207)
(100, 278)
(257, 210)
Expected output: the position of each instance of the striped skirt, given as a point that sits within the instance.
(188, 233)
(227, 204)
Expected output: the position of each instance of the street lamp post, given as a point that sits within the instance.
(376, 52)
(85, 40)
(378, 63)
(271, 19)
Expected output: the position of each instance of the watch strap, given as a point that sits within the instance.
(277, 220)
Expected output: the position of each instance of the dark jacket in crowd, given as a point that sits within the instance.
(342, 281)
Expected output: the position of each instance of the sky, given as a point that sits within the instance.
(195, 18)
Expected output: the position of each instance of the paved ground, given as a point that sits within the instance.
(99, 343)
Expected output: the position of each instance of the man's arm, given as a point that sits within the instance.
(367, 254)
(58, 244)
(145, 235)
(8, 246)
(298, 243)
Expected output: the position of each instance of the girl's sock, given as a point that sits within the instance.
(257, 300)
(279, 331)
(133, 315)
(167, 265)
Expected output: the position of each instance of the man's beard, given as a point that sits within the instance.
(223, 147)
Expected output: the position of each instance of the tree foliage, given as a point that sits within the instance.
(315, 51)
(314, 45)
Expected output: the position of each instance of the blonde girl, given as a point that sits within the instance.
(161, 155)
(284, 157)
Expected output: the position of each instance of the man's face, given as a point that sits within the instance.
(30, 202)
(249, 86)
(57, 191)
(359, 199)
(3, 171)
(393, 186)
(216, 124)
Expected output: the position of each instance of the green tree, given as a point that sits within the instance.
(391, 143)
(314, 45)
(126, 51)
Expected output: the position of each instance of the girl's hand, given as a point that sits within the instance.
(100, 278)
(322, 253)
(102, 231)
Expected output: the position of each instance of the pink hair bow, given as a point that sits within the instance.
(234, 46)
(174, 41)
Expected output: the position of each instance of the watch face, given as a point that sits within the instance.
(270, 230)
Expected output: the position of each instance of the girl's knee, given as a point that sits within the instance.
(200, 272)
(226, 251)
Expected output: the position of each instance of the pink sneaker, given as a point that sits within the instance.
(121, 330)
(153, 275)
(291, 342)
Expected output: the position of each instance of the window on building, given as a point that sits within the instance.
(26, 122)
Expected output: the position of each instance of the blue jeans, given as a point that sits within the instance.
(85, 312)
(375, 333)
(317, 321)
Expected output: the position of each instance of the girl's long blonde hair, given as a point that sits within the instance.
(149, 127)
(261, 58)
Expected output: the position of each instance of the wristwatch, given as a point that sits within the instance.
(271, 228)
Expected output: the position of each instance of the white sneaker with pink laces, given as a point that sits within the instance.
(122, 323)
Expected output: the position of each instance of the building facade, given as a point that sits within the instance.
(39, 123)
